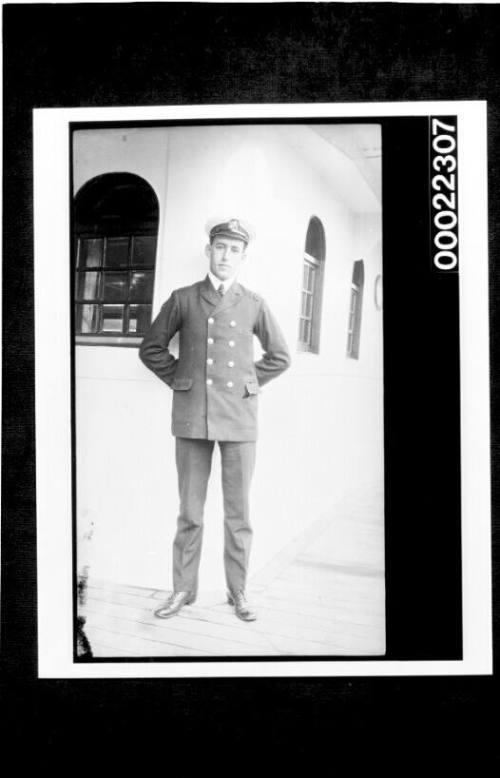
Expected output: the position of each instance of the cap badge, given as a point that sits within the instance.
(234, 225)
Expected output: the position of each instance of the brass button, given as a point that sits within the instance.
(210, 340)
(210, 361)
(230, 364)
(209, 382)
(231, 343)
(211, 321)
(232, 324)
(230, 384)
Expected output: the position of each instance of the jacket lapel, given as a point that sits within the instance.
(212, 302)
(232, 296)
(208, 295)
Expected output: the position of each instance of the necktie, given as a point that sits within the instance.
(220, 290)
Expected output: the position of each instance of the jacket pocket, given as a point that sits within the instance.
(182, 384)
(252, 387)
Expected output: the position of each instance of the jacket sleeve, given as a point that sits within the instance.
(154, 348)
(276, 357)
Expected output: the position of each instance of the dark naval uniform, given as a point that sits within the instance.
(216, 384)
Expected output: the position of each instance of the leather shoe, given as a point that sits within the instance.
(174, 603)
(242, 608)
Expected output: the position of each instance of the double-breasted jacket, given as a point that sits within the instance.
(215, 379)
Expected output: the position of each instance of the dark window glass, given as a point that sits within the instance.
(116, 227)
(87, 285)
(141, 287)
(144, 249)
(88, 318)
(139, 317)
(117, 251)
(115, 287)
(112, 318)
(90, 251)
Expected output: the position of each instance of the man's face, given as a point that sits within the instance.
(226, 256)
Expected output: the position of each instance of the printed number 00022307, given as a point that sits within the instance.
(444, 203)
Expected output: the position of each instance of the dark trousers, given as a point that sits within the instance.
(194, 462)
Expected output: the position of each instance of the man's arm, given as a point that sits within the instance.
(276, 357)
(154, 348)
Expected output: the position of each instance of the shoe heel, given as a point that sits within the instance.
(191, 600)
(230, 599)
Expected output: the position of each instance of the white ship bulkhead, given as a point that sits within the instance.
(320, 444)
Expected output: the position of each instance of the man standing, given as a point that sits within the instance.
(215, 382)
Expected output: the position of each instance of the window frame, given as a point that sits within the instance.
(89, 230)
(355, 310)
(311, 345)
(313, 265)
(129, 269)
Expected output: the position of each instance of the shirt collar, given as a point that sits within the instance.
(216, 282)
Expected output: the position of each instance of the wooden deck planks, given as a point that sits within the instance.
(322, 596)
(111, 634)
(282, 628)
(184, 622)
(182, 633)
(165, 641)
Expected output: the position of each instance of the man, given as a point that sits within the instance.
(215, 382)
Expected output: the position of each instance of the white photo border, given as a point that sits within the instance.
(54, 403)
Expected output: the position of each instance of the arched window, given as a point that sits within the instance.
(116, 230)
(312, 287)
(354, 325)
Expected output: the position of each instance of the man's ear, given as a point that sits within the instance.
(207, 250)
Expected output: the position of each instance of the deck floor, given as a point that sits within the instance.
(312, 600)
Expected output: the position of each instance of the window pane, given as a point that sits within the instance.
(305, 280)
(301, 330)
(87, 319)
(312, 276)
(304, 304)
(308, 306)
(115, 287)
(144, 250)
(307, 332)
(90, 252)
(358, 273)
(141, 287)
(349, 343)
(139, 318)
(112, 318)
(87, 286)
(315, 240)
(117, 252)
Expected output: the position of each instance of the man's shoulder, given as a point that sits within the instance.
(186, 291)
(249, 294)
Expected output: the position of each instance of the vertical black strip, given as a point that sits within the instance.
(422, 412)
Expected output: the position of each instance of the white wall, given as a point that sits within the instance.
(321, 423)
